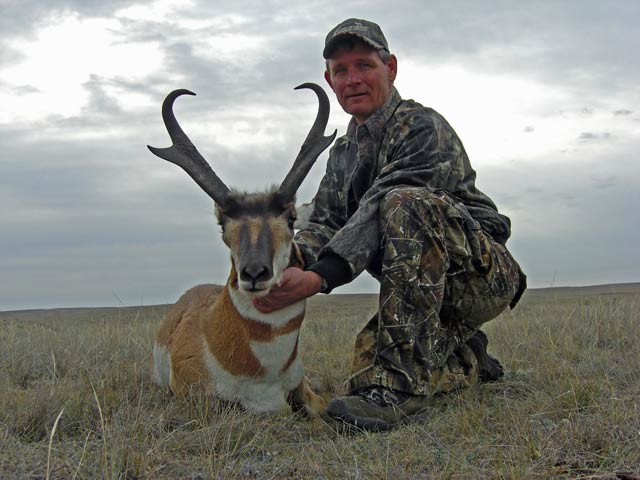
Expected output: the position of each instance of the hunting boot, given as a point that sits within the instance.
(489, 368)
(376, 408)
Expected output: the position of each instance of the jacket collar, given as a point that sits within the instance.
(375, 123)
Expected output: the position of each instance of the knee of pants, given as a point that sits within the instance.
(404, 201)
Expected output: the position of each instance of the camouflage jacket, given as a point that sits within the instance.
(402, 144)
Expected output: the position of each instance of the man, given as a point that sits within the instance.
(399, 199)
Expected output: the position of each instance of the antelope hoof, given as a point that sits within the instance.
(304, 399)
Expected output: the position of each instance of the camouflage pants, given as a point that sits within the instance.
(441, 277)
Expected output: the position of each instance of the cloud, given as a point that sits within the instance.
(622, 113)
(24, 90)
(9, 55)
(99, 100)
(24, 17)
(591, 136)
(609, 181)
(551, 43)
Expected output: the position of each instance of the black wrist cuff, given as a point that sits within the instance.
(334, 269)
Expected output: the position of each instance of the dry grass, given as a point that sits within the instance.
(76, 402)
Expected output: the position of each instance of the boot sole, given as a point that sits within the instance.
(370, 424)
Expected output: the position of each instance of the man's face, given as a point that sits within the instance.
(361, 81)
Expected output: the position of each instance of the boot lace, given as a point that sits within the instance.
(381, 397)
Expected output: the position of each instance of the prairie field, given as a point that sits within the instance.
(77, 401)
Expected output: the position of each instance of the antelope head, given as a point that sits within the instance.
(256, 227)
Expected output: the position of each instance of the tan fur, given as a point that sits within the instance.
(279, 234)
(255, 227)
(303, 397)
(181, 333)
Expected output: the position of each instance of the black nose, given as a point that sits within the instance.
(255, 272)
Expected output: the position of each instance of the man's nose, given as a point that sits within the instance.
(353, 77)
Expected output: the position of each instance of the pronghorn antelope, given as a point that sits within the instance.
(223, 341)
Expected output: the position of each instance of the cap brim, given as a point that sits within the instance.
(331, 46)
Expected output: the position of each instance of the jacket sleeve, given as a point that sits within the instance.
(421, 151)
(327, 215)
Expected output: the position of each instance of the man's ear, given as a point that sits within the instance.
(327, 77)
(392, 65)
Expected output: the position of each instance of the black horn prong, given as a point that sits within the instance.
(315, 143)
(169, 117)
(184, 154)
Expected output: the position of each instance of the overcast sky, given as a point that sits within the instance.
(544, 95)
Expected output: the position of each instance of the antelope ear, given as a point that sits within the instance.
(220, 214)
(289, 214)
(230, 208)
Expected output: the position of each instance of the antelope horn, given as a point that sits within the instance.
(184, 154)
(313, 145)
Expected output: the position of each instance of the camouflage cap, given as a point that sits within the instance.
(365, 30)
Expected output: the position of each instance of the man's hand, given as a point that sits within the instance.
(296, 285)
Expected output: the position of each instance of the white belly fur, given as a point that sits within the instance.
(264, 394)
(267, 393)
